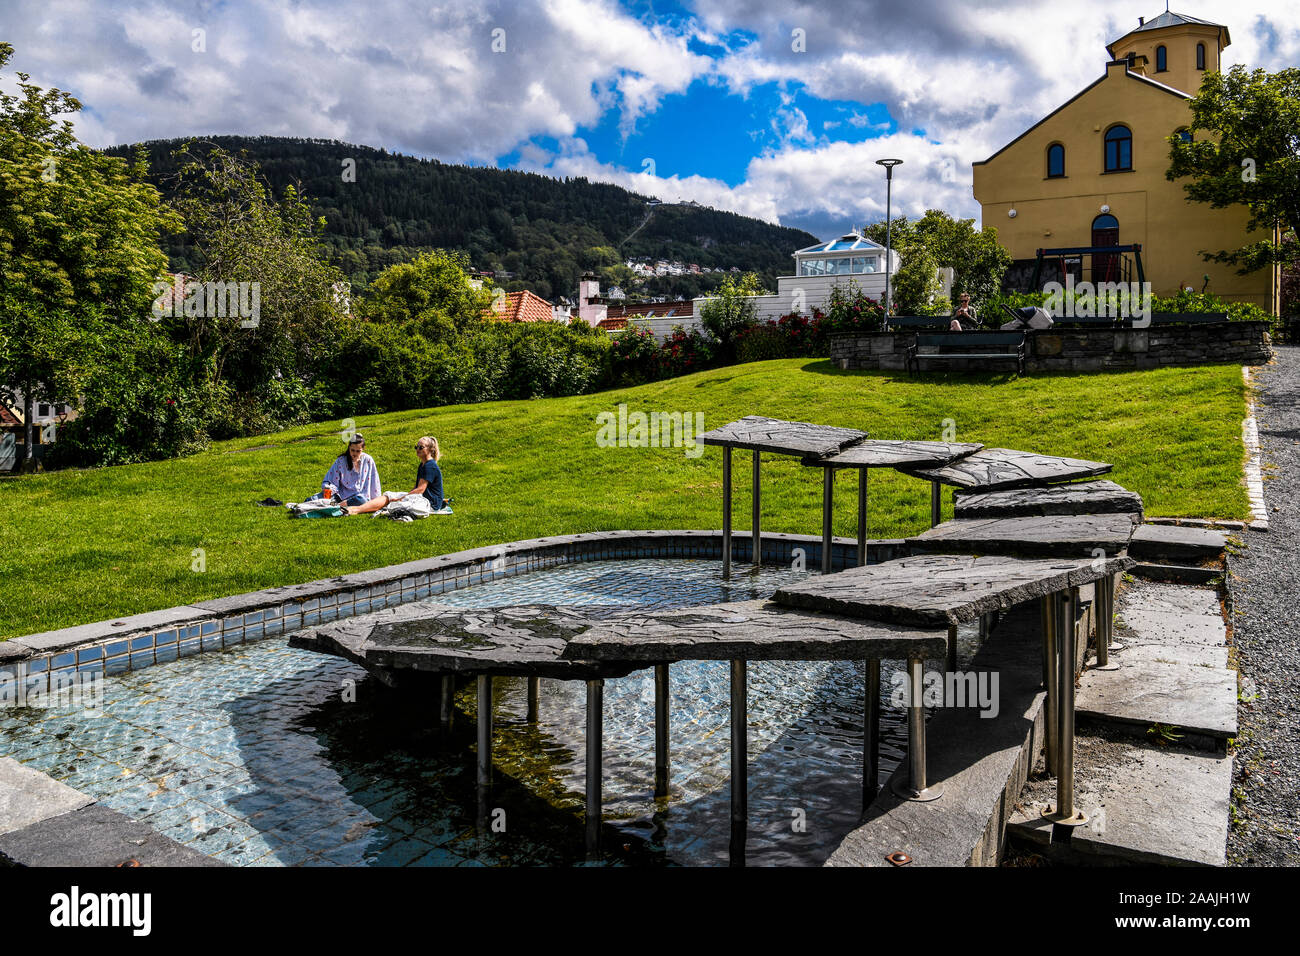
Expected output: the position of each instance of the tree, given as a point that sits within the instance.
(241, 234)
(79, 232)
(433, 292)
(1247, 153)
(977, 259)
(731, 310)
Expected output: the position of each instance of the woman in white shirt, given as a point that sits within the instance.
(353, 479)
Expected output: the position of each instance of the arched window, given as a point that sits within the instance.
(1200, 56)
(1119, 149)
(1162, 59)
(1055, 161)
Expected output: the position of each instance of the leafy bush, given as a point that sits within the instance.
(685, 352)
(139, 401)
(731, 311)
(849, 309)
(633, 355)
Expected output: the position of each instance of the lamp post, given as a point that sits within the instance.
(889, 165)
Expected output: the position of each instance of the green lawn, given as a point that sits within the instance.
(81, 546)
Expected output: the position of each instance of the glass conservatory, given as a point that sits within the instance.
(853, 254)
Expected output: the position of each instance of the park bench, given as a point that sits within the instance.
(919, 321)
(965, 346)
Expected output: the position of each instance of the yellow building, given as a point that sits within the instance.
(1092, 173)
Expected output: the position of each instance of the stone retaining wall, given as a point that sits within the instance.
(1084, 349)
(141, 640)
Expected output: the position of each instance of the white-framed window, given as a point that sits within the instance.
(847, 265)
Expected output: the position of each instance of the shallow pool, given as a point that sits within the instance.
(265, 755)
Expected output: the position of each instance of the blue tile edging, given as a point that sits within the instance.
(131, 643)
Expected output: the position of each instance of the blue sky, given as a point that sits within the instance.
(771, 108)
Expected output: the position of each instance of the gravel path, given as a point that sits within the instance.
(1266, 621)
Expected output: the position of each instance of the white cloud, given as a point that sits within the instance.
(426, 80)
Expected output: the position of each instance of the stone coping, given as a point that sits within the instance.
(130, 643)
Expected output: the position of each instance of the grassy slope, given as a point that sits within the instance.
(81, 546)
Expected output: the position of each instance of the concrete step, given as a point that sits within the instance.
(1171, 544)
(1199, 702)
(1176, 573)
(1145, 805)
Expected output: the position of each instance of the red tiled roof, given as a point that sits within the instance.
(7, 418)
(613, 325)
(522, 306)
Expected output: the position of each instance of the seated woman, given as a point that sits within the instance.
(428, 482)
(353, 479)
(964, 316)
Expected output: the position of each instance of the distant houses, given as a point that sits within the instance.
(851, 260)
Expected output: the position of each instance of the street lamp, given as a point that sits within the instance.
(889, 165)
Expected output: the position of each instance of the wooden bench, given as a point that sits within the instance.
(961, 346)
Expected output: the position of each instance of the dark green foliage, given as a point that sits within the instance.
(139, 401)
(1245, 150)
(544, 230)
(383, 367)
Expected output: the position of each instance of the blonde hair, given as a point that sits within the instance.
(432, 443)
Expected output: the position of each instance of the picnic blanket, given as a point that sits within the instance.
(317, 508)
(411, 508)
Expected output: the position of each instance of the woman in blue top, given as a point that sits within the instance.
(428, 481)
(353, 479)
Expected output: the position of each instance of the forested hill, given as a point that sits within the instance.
(544, 230)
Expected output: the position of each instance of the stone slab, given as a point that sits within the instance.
(1082, 498)
(96, 836)
(996, 469)
(1201, 700)
(1145, 806)
(881, 453)
(981, 762)
(1051, 536)
(781, 437)
(751, 630)
(1176, 544)
(1170, 623)
(521, 641)
(28, 796)
(941, 590)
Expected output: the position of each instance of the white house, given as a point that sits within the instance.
(851, 259)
